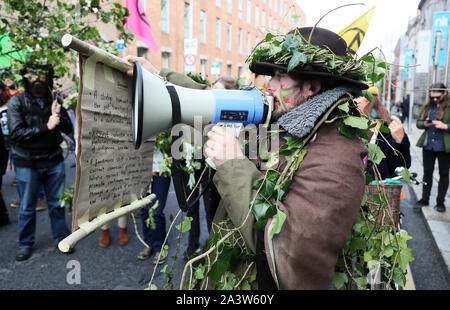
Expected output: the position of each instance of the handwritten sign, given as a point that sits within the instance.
(110, 172)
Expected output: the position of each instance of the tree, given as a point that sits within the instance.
(35, 28)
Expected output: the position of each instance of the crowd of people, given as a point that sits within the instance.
(317, 221)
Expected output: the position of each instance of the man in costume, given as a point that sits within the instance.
(327, 188)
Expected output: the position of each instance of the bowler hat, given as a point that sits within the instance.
(322, 38)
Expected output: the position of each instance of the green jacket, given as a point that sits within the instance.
(423, 138)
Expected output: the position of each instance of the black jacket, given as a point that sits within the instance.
(32, 144)
(393, 160)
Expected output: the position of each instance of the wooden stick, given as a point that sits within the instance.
(87, 228)
(90, 50)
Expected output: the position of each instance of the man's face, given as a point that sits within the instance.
(287, 93)
(9, 83)
(38, 83)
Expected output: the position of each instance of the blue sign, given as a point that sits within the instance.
(440, 30)
(120, 45)
(409, 56)
(215, 67)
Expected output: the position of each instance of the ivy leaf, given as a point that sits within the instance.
(376, 155)
(399, 277)
(406, 175)
(296, 59)
(339, 280)
(385, 129)
(260, 209)
(280, 217)
(293, 142)
(185, 225)
(356, 122)
(388, 251)
(218, 269)
(344, 107)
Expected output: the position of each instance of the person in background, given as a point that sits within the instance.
(153, 219)
(4, 218)
(260, 81)
(35, 122)
(405, 108)
(434, 119)
(395, 145)
(105, 239)
(225, 82)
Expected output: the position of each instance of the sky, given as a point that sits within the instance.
(389, 21)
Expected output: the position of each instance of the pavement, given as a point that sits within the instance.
(438, 223)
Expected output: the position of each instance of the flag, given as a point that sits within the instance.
(354, 33)
(138, 23)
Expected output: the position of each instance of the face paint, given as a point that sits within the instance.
(286, 94)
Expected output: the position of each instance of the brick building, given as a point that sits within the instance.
(226, 31)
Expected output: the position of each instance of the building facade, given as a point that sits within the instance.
(226, 31)
(421, 37)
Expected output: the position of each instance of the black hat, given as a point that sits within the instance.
(322, 38)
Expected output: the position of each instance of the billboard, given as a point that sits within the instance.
(440, 36)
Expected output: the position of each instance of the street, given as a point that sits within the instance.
(117, 268)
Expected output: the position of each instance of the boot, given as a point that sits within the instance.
(123, 236)
(104, 238)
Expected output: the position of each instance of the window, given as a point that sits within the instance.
(229, 69)
(187, 21)
(239, 71)
(230, 6)
(281, 8)
(249, 44)
(228, 37)
(270, 23)
(218, 32)
(165, 13)
(142, 51)
(203, 68)
(202, 26)
(275, 5)
(256, 17)
(165, 60)
(240, 41)
(240, 9)
(249, 12)
(270, 4)
(263, 21)
(218, 3)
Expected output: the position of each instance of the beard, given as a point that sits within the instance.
(38, 88)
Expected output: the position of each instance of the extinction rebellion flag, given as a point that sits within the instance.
(354, 33)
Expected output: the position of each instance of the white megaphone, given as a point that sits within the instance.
(159, 105)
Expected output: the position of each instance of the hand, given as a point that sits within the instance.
(222, 146)
(56, 107)
(427, 123)
(53, 121)
(396, 128)
(439, 125)
(144, 62)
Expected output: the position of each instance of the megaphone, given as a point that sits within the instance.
(159, 105)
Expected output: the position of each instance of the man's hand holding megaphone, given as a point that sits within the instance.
(222, 146)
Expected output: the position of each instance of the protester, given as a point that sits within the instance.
(260, 82)
(35, 121)
(434, 118)
(4, 218)
(394, 145)
(405, 108)
(105, 239)
(154, 220)
(325, 196)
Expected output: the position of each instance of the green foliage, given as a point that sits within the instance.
(294, 51)
(36, 27)
(67, 197)
(199, 79)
